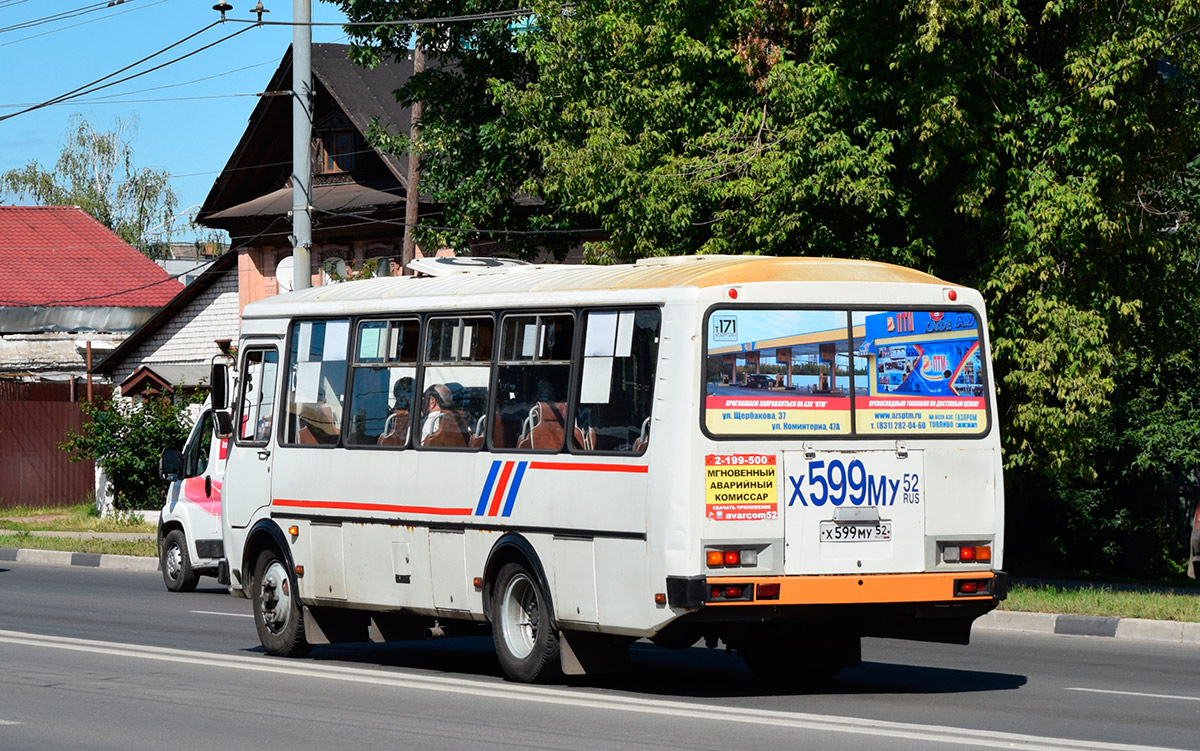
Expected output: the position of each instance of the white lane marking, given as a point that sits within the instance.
(10, 722)
(1176, 697)
(573, 698)
(218, 612)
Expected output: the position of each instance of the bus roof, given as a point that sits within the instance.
(647, 274)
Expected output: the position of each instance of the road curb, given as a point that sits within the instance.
(1142, 629)
(91, 560)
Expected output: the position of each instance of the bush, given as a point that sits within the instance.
(126, 440)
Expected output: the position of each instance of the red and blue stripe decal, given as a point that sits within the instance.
(497, 498)
(510, 474)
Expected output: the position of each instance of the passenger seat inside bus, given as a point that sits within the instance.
(543, 428)
(395, 429)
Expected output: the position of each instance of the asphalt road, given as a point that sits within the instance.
(99, 659)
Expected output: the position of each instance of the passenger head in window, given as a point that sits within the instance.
(437, 401)
(403, 391)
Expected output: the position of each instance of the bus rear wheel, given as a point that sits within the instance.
(277, 614)
(523, 628)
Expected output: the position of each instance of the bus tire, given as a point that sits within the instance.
(523, 628)
(277, 614)
(176, 564)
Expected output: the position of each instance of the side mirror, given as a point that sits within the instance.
(219, 386)
(224, 423)
(170, 465)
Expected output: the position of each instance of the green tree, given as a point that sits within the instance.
(1044, 152)
(468, 161)
(126, 439)
(95, 171)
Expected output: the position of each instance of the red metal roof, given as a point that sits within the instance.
(61, 256)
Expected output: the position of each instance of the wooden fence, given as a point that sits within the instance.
(34, 419)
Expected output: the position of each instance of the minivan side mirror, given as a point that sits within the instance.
(219, 385)
(170, 465)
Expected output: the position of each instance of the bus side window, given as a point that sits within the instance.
(316, 378)
(456, 377)
(533, 379)
(382, 397)
(616, 382)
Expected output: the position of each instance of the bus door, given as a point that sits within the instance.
(248, 469)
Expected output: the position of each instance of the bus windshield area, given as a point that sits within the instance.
(787, 372)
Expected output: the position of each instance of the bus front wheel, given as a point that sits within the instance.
(523, 628)
(277, 614)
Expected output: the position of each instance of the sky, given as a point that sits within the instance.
(188, 129)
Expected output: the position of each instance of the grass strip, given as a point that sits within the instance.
(1103, 601)
(147, 548)
(78, 518)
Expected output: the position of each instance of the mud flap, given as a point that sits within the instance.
(583, 653)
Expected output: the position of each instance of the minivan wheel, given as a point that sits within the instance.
(176, 564)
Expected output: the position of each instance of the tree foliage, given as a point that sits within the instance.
(126, 439)
(1044, 152)
(96, 172)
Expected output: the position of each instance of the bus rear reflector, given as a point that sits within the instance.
(768, 591)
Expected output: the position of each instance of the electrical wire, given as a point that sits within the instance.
(493, 15)
(92, 87)
(64, 15)
(83, 23)
(479, 230)
(138, 288)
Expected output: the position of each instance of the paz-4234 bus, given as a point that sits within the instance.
(781, 454)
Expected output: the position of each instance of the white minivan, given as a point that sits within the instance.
(189, 528)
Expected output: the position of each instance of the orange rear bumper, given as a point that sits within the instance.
(845, 590)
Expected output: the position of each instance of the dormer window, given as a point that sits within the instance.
(336, 145)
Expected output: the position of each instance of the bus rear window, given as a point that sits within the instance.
(787, 372)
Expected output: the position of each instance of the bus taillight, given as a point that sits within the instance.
(972, 587)
(718, 557)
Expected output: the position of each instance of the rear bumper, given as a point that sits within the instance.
(740, 591)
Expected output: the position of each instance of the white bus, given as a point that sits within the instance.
(781, 454)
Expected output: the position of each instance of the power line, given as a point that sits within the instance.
(479, 230)
(82, 23)
(494, 15)
(171, 277)
(92, 87)
(64, 15)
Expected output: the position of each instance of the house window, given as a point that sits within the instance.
(337, 151)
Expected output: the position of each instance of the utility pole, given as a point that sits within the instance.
(412, 193)
(302, 102)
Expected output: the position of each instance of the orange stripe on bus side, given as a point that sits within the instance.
(584, 467)
(349, 506)
(845, 590)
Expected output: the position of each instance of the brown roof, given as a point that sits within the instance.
(261, 162)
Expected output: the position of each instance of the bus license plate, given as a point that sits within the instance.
(833, 532)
